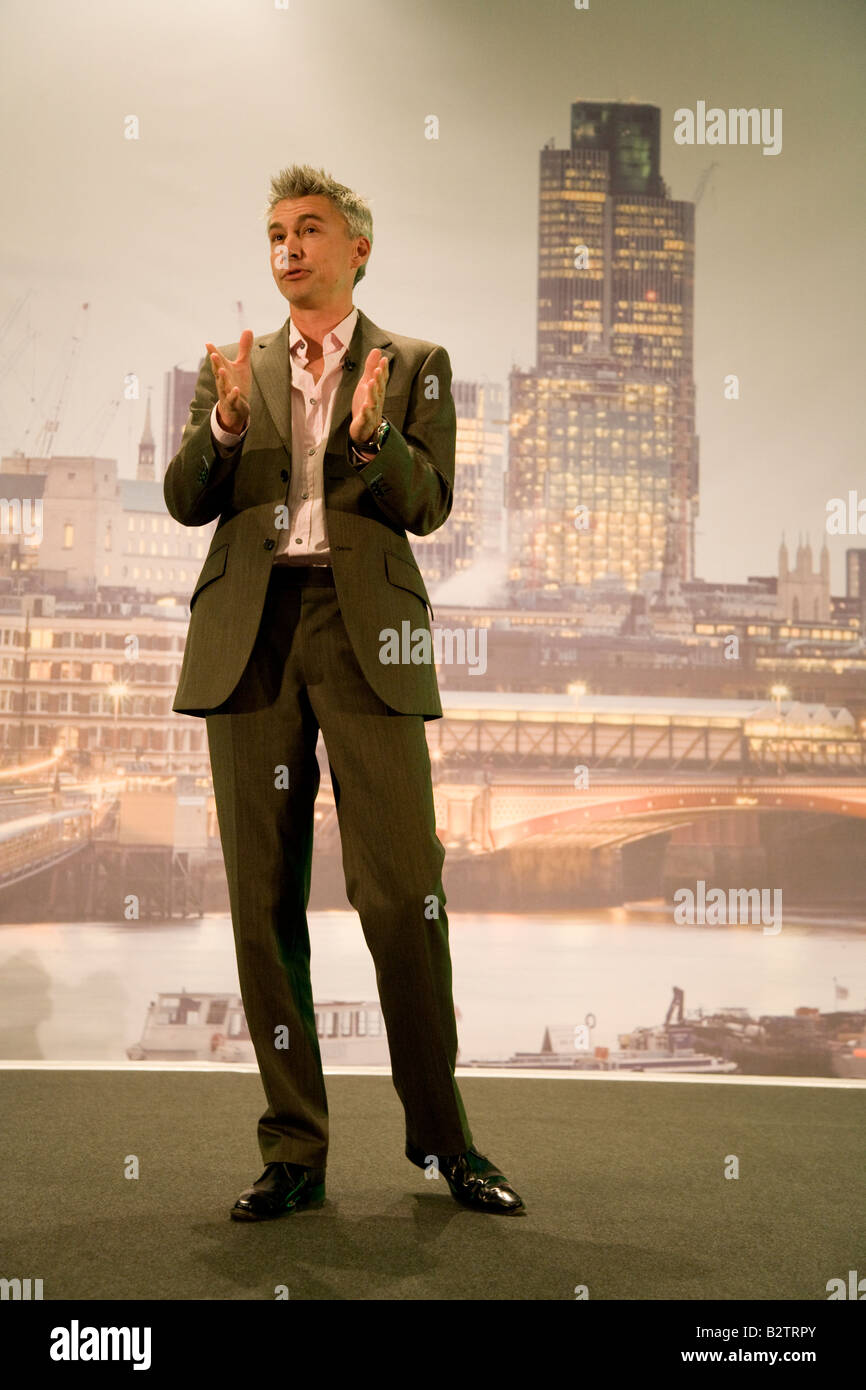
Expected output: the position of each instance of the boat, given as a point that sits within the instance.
(805, 1043)
(667, 1047)
(212, 1027)
(646, 1050)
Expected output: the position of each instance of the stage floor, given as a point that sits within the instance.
(624, 1182)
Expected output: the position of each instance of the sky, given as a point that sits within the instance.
(163, 235)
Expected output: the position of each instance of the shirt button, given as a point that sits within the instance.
(298, 541)
(284, 475)
(269, 545)
(311, 452)
(305, 494)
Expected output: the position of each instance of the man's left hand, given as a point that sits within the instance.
(369, 397)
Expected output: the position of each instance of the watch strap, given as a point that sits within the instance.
(371, 446)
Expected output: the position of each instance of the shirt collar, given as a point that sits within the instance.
(336, 339)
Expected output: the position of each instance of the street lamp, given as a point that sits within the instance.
(117, 690)
(779, 693)
(57, 753)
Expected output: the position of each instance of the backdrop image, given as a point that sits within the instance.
(614, 263)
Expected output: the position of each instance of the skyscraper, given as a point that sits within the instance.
(179, 392)
(602, 477)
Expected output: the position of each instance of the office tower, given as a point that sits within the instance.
(855, 573)
(179, 393)
(855, 581)
(602, 476)
(475, 527)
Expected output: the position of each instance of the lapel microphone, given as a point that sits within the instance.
(349, 365)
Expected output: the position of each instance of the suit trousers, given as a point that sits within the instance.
(303, 676)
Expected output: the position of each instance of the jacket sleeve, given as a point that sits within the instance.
(197, 483)
(412, 477)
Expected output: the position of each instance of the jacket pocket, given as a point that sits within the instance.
(212, 568)
(406, 576)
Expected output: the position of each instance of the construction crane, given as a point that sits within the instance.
(6, 327)
(12, 360)
(97, 426)
(45, 440)
(703, 181)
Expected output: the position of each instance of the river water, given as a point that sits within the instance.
(80, 991)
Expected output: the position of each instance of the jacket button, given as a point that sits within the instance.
(284, 474)
(269, 545)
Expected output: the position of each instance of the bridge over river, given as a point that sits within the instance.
(570, 779)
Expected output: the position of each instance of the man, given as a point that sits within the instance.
(318, 447)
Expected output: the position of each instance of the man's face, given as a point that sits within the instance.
(308, 236)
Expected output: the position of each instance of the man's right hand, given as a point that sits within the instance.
(233, 382)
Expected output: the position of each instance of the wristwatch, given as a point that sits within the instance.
(371, 446)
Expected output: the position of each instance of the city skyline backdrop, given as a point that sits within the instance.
(143, 230)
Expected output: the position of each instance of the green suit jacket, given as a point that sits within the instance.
(408, 487)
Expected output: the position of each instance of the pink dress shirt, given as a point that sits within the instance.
(305, 540)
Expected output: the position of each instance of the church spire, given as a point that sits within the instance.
(146, 449)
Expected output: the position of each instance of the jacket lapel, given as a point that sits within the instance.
(272, 372)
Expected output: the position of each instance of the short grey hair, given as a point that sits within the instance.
(303, 181)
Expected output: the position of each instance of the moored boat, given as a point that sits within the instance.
(212, 1027)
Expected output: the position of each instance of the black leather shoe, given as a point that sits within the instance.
(474, 1181)
(283, 1187)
